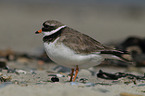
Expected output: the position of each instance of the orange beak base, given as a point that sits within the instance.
(39, 31)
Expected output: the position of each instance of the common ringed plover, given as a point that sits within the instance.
(73, 49)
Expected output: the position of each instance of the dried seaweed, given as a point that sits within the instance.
(116, 76)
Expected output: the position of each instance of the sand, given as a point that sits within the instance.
(59, 89)
(34, 80)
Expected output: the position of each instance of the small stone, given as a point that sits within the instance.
(83, 80)
(34, 73)
(15, 82)
(55, 79)
(21, 71)
(23, 85)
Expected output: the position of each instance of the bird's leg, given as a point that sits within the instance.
(77, 70)
(72, 71)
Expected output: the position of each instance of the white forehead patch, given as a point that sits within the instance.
(53, 31)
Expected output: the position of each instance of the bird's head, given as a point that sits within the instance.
(50, 27)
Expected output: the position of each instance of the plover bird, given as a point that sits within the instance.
(70, 48)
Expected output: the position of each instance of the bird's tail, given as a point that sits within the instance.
(116, 54)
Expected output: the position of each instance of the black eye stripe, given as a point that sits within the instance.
(46, 25)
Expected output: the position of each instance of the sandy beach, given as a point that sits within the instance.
(35, 80)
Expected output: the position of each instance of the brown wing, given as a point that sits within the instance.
(81, 43)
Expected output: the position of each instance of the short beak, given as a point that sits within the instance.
(39, 31)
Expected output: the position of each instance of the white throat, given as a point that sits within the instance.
(53, 31)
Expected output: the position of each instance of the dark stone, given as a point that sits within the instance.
(55, 79)
(83, 80)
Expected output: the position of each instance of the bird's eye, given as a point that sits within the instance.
(46, 25)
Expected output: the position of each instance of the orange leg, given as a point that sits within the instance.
(72, 71)
(77, 70)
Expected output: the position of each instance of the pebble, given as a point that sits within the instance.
(83, 80)
(34, 73)
(21, 71)
(55, 79)
(15, 82)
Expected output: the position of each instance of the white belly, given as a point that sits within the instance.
(62, 55)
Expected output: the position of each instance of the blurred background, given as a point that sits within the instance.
(103, 20)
